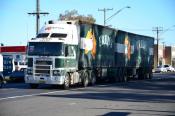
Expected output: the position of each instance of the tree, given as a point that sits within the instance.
(73, 15)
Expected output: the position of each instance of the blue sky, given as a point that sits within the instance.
(17, 26)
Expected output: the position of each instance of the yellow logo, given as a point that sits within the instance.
(128, 47)
(90, 43)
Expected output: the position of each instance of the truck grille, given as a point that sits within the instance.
(43, 68)
(43, 62)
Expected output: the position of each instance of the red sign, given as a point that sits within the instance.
(13, 49)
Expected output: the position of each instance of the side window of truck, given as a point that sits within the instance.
(69, 51)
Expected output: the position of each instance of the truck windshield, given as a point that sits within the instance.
(60, 35)
(42, 35)
(46, 49)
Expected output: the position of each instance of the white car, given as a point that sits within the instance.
(160, 69)
(169, 68)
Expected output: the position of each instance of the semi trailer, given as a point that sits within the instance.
(75, 52)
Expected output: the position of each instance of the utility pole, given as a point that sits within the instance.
(163, 45)
(157, 30)
(104, 10)
(37, 14)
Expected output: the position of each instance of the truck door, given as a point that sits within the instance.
(70, 57)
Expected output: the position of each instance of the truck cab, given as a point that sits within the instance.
(52, 54)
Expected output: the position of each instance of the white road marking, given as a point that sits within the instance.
(37, 94)
(30, 95)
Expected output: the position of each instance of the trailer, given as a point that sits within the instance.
(74, 52)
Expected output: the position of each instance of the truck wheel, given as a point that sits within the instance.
(1, 82)
(85, 79)
(119, 75)
(66, 82)
(93, 78)
(125, 78)
(150, 75)
(141, 75)
(33, 86)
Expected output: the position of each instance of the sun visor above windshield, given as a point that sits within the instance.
(53, 28)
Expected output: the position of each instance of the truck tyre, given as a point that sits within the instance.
(119, 75)
(85, 79)
(33, 86)
(150, 75)
(93, 78)
(1, 82)
(141, 74)
(125, 77)
(66, 82)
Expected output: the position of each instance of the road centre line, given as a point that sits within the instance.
(30, 95)
(37, 94)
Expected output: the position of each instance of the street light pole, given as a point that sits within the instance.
(163, 45)
(104, 10)
(117, 13)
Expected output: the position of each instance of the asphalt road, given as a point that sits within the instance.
(143, 97)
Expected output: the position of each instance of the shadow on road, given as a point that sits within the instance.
(154, 91)
(116, 114)
(120, 113)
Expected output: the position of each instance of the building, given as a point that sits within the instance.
(166, 55)
(14, 58)
(173, 56)
(161, 58)
(17, 52)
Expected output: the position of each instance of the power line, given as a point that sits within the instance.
(37, 14)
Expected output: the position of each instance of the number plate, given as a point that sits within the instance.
(41, 81)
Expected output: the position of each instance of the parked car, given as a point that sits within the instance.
(160, 69)
(18, 75)
(169, 68)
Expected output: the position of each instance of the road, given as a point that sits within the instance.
(134, 98)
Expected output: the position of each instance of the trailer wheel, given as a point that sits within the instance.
(85, 79)
(119, 75)
(33, 86)
(125, 77)
(1, 82)
(141, 74)
(150, 75)
(93, 78)
(66, 82)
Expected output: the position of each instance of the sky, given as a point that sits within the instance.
(17, 27)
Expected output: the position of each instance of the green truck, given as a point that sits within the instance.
(74, 52)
